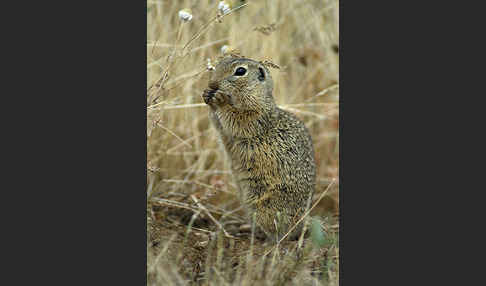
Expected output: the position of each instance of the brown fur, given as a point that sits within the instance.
(271, 152)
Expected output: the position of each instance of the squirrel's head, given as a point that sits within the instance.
(240, 84)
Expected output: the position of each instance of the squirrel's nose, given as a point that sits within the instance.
(213, 85)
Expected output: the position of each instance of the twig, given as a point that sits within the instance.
(219, 275)
(177, 204)
(331, 104)
(152, 267)
(173, 204)
(205, 26)
(321, 117)
(187, 75)
(212, 218)
(175, 135)
(189, 182)
(201, 229)
(324, 91)
(161, 45)
(185, 106)
(169, 61)
(171, 149)
(157, 104)
(152, 52)
(209, 44)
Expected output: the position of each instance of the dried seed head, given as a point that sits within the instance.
(266, 30)
(269, 64)
(185, 15)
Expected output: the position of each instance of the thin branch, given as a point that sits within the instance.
(220, 226)
(175, 135)
(205, 26)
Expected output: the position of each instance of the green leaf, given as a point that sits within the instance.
(317, 234)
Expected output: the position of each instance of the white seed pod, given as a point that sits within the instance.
(209, 66)
(185, 15)
(224, 49)
(224, 7)
(230, 50)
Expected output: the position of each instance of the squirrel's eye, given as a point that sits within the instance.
(240, 71)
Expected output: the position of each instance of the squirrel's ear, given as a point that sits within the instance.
(261, 76)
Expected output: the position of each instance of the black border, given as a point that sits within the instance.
(74, 199)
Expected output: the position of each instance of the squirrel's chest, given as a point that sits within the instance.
(254, 159)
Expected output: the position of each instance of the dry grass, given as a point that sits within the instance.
(193, 209)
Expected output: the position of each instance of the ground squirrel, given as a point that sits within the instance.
(270, 149)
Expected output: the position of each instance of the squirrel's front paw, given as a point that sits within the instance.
(208, 95)
(214, 97)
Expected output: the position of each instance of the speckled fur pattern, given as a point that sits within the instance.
(271, 151)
